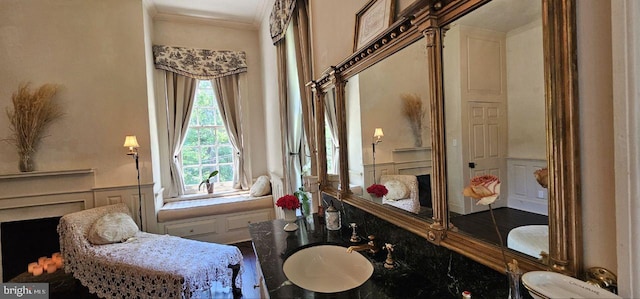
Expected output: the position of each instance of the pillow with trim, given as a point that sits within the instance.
(112, 228)
(261, 187)
(397, 190)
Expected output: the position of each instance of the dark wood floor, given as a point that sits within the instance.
(481, 226)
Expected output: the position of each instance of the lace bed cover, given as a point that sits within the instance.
(145, 266)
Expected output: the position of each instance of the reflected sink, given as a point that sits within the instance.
(327, 269)
(546, 284)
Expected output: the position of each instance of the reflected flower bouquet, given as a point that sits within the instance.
(288, 202)
(377, 190)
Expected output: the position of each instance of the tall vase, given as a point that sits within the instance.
(26, 163)
(514, 284)
(290, 217)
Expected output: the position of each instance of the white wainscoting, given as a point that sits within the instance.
(44, 194)
(524, 191)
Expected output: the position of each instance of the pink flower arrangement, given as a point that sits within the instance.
(377, 190)
(288, 202)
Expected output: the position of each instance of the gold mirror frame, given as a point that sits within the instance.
(425, 18)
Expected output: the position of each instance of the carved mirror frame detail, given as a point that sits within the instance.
(424, 19)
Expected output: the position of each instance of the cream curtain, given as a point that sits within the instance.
(303, 61)
(228, 98)
(295, 99)
(179, 97)
(331, 118)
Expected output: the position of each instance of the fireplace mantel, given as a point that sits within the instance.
(44, 194)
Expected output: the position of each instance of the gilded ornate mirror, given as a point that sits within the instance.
(536, 120)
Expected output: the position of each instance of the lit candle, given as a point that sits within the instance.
(58, 261)
(41, 260)
(31, 266)
(46, 262)
(37, 270)
(51, 267)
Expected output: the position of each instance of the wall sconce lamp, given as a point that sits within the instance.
(132, 143)
(377, 138)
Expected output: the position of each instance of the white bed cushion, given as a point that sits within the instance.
(397, 190)
(529, 239)
(112, 228)
(261, 187)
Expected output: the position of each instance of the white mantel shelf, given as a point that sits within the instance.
(22, 175)
(412, 149)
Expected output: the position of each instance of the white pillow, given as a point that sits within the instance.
(112, 228)
(261, 187)
(397, 190)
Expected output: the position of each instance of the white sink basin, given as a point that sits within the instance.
(546, 284)
(327, 269)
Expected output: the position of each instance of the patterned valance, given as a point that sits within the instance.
(280, 17)
(200, 64)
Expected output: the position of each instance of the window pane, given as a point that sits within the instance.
(208, 155)
(204, 98)
(206, 116)
(207, 136)
(191, 175)
(225, 154)
(190, 155)
(222, 136)
(218, 120)
(192, 138)
(226, 173)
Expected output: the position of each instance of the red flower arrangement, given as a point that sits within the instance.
(378, 190)
(288, 202)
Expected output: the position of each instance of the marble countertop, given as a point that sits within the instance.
(273, 245)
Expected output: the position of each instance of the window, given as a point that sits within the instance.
(206, 147)
(330, 149)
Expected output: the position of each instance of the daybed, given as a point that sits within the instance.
(145, 265)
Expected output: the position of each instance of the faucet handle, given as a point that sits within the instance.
(389, 263)
(354, 235)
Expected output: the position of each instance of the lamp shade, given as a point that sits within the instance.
(378, 133)
(131, 142)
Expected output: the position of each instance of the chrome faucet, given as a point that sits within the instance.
(371, 246)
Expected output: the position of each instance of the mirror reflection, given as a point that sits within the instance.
(387, 108)
(332, 146)
(495, 121)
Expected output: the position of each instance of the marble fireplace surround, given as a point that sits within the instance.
(435, 266)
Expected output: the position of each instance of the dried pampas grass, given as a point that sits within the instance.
(414, 111)
(32, 113)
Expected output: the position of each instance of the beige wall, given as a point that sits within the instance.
(596, 133)
(525, 93)
(273, 130)
(95, 51)
(593, 24)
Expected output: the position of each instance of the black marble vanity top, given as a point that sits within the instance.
(273, 245)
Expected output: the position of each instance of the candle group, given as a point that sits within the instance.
(46, 264)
